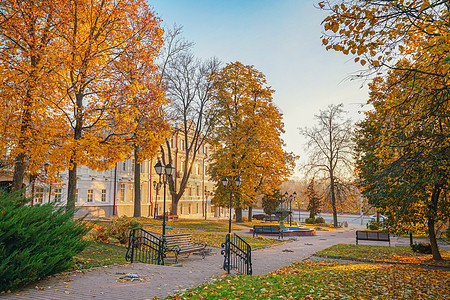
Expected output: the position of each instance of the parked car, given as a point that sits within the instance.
(373, 218)
(271, 218)
(259, 216)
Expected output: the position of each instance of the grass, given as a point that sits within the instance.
(205, 225)
(321, 280)
(321, 227)
(399, 254)
(215, 239)
(99, 254)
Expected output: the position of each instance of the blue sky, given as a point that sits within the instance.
(281, 38)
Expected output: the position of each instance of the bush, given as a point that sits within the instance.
(36, 241)
(374, 226)
(319, 220)
(424, 248)
(309, 221)
(121, 226)
(100, 234)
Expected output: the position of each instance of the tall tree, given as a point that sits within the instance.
(247, 137)
(330, 148)
(187, 82)
(271, 201)
(96, 35)
(404, 151)
(314, 203)
(28, 125)
(138, 83)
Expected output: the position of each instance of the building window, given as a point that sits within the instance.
(182, 145)
(58, 195)
(197, 209)
(143, 167)
(76, 195)
(122, 192)
(181, 209)
(39, 195)
(103, 195)
(189, 209)
(90, 197)
(124, 166)
(132, 164)
(198, 190)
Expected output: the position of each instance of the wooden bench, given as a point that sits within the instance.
(170, 218)
(267, 229)
(181, 244)
(366, 235)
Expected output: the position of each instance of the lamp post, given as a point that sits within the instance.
(166, 171)
(207, 193)
(156, 186)
(238, 182)
(291, 198)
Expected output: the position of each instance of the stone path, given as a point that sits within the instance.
(161, 281)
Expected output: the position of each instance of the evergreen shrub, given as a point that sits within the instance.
(120, 228)
(424, 248)
(319, 220)
(35, 241)
(309, 221)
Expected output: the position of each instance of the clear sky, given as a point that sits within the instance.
(281, 38)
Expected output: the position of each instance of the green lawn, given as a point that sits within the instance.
(402, 254)
(319, 280)
(99, 254)
(215, 239)
(206, 225)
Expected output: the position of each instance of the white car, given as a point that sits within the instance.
(373, 218)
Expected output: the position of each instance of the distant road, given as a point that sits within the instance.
(354, 221)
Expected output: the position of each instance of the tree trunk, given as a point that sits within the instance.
(431, 230)
(72, 185)
(19, 162)
(250, 212)
(238, 212)
(333, 201)
(137, 184)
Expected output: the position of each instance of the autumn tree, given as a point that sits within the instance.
(314, 200)
(404, 152)
(29, 127)
(94, 41)
(139, 91)
(247, 137)
(330, 149)
(411, 39)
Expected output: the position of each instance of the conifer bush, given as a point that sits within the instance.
(35, 241)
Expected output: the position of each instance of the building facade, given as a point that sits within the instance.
(111, 192)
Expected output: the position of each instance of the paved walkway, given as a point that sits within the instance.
(161, 281)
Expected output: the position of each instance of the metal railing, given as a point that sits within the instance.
(146, 247)
(237, 255)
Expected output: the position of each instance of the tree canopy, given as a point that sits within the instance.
(247, 137)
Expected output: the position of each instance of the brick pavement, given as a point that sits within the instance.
(161, 281)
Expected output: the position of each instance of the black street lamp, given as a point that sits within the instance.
(157, 187)
(166, 171)
(205, 208)
(238, 182)
(291, 198)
